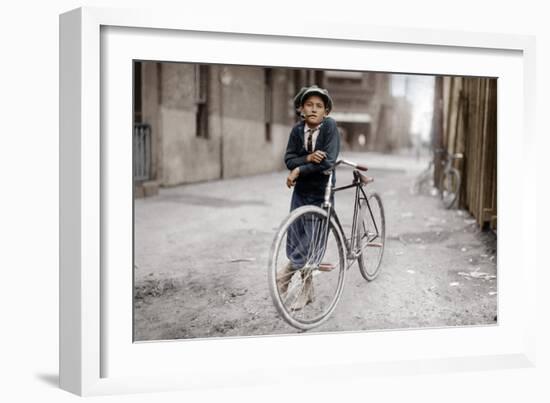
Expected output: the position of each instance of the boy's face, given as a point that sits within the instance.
(314, 110)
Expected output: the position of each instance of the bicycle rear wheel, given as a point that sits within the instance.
(449, 187)
(371, 235)
(306, 263)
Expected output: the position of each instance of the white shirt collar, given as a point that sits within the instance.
(306, 127)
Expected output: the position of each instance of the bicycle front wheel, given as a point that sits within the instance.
(371, 235)
(450, 187)
(306, 269)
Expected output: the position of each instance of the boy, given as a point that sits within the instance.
(313, 147)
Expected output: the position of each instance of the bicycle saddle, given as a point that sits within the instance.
(363, 178)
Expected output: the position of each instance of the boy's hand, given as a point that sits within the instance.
(316, 156)
(292, 176)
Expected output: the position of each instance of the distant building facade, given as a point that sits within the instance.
(370, 118)
(212, 122)
(197, 122)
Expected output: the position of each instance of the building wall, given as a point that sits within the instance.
(246, 151)
(236, 144)
(150, 110)
(186, 157)
(381, 110)
(401, 133)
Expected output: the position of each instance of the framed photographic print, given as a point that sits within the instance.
(175, 152)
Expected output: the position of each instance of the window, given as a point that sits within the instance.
(268, 84)
(202, 73)
(137, 92)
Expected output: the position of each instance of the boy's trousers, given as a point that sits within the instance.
(306, 236)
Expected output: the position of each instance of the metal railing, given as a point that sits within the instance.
(142, 151)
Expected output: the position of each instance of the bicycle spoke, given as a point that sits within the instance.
(300, 249)
(320, 242)
(301, 236)
(316, 249)
(296, 296)
(312, 244)
(304, 240)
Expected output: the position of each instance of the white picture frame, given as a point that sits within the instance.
(97, 355)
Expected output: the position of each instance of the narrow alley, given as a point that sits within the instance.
(201, 253)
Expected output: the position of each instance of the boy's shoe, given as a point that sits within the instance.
(283, 278)
(307, 295)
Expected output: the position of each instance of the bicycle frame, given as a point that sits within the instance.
(351, 254)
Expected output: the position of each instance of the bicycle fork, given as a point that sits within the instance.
(357, 221)
(327, 205)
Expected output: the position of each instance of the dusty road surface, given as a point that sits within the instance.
(201, 254)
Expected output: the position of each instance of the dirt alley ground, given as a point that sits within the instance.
(201, 255)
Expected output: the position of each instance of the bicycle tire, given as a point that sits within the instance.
(450, 187)
(370, 259)
(328, 285)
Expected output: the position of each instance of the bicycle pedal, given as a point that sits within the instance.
(326, 267)
(375, 245)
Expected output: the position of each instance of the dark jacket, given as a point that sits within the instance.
(312, 180)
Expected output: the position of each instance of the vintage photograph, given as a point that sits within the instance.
(278, 200)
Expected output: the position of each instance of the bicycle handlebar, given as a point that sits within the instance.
(355, 165)
(349, 163)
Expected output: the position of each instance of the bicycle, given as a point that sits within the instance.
(449, 179)
(424, 182)
(315, 235)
